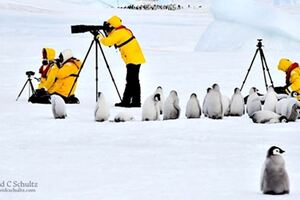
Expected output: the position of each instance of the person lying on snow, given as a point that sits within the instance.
(292, 78)
(59, 79)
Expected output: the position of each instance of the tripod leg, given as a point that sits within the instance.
(31, 87)
(267, 68)
(113, 80)
(96, 67)
(249, 69)
(263, 68)
(22, 89)
(81, 67)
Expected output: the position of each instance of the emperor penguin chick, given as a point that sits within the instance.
(58, 107)
(204, 105)
(159, 91)
(193, 109)
(274, 177)
(150, 109)
(270, 99)
(253, 102)
(266, 116)
(214, 103)
(171, 106)
(237, 105)
(123, 117)
(102, 110)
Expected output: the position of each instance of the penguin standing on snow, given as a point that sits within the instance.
(171, 106)
(270, 99)
(101, 111)
(214, 103)
(58, 107)
(204, 105)
(150, 109)
(237, 105)
(225, 105)
(274, 178)
(253, 102)
(193, 109)
(159, 91)
(266, 116)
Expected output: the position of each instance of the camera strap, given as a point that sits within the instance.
(127, 41)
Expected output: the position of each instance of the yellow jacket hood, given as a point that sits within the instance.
(48, 53)
(115, 21)
(284, 64)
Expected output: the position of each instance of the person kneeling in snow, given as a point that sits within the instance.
(61, 78)
(292, 71)
(48, 62)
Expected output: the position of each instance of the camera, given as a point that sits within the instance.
(29, 73)
(94, 29)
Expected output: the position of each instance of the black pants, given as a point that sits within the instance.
(132, 92)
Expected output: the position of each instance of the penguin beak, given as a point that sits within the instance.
(282, 151)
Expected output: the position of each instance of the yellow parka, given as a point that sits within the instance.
(64, 77)
(48, 54)
(292, 71)
(131, 52)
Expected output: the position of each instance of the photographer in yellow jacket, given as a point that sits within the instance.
(131, 52)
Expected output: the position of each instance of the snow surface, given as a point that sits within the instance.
(78, 158)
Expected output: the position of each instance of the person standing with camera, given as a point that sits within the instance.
(131, 52)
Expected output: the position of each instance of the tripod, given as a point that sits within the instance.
(97, 44)
(31, 88)
(263, 63)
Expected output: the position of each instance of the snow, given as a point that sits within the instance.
(78, 158)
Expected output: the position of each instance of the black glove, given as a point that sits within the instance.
(41, 92)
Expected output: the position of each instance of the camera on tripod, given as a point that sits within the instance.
(94, 29)
(29, 73)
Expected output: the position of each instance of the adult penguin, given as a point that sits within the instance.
(266, 116)
(159, 91)
(274, 177)
(58, 107)
(253, 102)
(150, 108)
(102, 110)
(193, 109)
(171, 106)
(237, 105)
(214, 103)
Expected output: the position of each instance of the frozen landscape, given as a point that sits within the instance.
(187, 50)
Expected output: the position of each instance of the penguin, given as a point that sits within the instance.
(225, 105)
(58, 107)
(237, 105)
(266, 116)
(123, 117)
(253, 102)
(204, 105)
(101, 110)
(270, 99)
(159, 91)
(171, 106)
(288, 107)
(193, 109)
(214, 103)
(274, 177)
(150, 108)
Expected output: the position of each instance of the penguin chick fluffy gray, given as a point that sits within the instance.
(58, 107)
(150, 109)
(253, 102)
(101, 110)
(193, 109)
(274, 177)
(237, 106)
(159, 91)
(266, 116)
(214, 104)
(171, 106)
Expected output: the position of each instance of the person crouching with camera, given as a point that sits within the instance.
(131, 52)
(60, 80)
